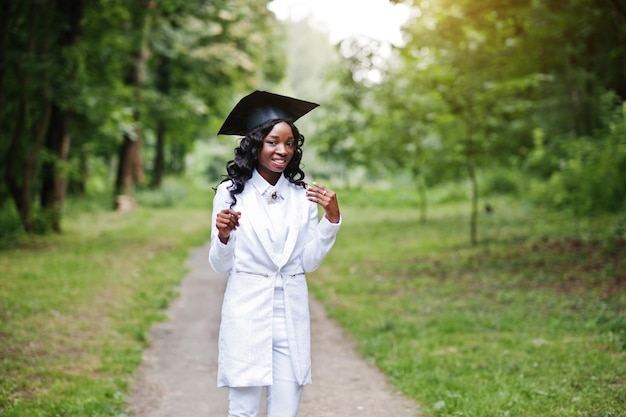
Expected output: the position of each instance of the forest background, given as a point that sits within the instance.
(109, 98)
(486, 103)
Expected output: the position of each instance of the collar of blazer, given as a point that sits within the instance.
(293, 213)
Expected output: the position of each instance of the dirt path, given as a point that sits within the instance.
(178, 376)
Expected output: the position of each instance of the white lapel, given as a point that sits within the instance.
(255, 213)
(258, 219)
(293, 216)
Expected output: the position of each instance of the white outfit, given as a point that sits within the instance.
(273, 246)
(283, 396)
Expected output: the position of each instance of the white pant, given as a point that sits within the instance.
(283, 396)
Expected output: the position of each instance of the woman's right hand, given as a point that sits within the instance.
(227, 221)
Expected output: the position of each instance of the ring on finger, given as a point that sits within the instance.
(324, 193)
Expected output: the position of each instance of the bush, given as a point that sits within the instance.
(500, 181)
(171, 193)
(11, 229)
(589, 177)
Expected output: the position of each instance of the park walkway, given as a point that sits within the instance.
(178, 375)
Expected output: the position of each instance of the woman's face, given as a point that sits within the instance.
(278, 148)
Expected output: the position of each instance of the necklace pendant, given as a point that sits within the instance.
(272, 196)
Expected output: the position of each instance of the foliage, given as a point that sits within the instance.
(584, 174)
(498, 181)
(529, 322)
(343, 132)
(204, 57)
(169, 195)
(482, 88)
(164, 71)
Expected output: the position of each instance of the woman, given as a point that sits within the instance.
(266, 235)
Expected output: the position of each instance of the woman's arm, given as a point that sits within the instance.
(323, 232)
(224, 221)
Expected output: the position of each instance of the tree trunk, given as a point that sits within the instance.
(8, 14)
(159, 158)
(23, 150)
(130, 170)
(19, 179)
(163, 75)
(471, 174)
(620, 29)
(421, 188)
(77, 183)
(12, 175)
(83, 167)
(53, 184)
(57, 142)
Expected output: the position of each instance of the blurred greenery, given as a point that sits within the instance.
(75, 309)
(528, 322)
(517, 97)
(531, 89)
(504, 119)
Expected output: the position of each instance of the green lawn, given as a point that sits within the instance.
(529, 322)
(75, 309)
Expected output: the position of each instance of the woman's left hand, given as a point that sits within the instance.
(326, 198)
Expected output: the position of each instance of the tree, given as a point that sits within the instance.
(80, 71)
(203, 50)
(344, 125)
(57, 140)
(26, 72)
(463, 82)
(130, 171)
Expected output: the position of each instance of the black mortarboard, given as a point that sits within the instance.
(261, 106)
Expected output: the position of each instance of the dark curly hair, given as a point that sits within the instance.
(240, 169)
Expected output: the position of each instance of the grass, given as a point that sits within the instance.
(529, 322)
(75, 309)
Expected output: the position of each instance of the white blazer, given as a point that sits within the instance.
(245, 340)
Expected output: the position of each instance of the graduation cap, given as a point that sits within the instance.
(261, 106)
